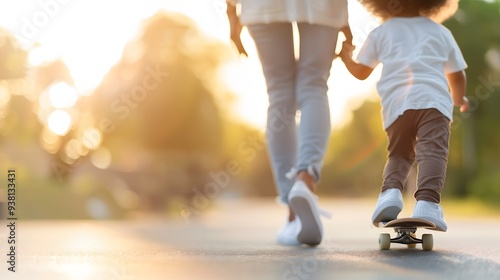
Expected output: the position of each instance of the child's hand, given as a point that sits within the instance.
(465, 105)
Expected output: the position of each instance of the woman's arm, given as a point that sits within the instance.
(235, 27)
(347, 33)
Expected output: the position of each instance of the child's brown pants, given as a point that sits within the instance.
(422, 135)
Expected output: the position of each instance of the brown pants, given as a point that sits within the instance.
(422, 135)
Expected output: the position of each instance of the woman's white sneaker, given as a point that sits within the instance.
(288, 234)
(304, 204)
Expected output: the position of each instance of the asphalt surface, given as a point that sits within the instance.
(235, 240)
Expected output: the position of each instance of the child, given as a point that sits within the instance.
(421, 65)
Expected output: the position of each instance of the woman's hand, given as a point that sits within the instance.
(235, 29)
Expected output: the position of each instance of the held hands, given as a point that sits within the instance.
(346, 52)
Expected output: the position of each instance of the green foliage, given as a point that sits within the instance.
(173, 109)
(474, 152)
(356, 155)
(157, 113)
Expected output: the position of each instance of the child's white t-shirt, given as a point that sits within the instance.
(416, 54)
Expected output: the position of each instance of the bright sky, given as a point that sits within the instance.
(90, 35)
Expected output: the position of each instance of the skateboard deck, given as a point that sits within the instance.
(406, 229)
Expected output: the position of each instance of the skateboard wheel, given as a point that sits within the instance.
(384, 241)
(427, 242)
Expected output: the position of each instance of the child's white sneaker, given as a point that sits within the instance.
(389, 205)
(288, 234)
(430, 211)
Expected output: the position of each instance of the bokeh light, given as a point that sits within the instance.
(97, 208)
(92, 138)
(492, 57)
(50, 141)
(62, 95)
(74, 149)
(101, 158)
(59, 122)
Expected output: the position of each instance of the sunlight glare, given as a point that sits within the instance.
(40, 55)
(59, 122)
(103, 41)
(77, 271)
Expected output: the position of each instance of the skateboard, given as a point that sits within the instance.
(405, 229)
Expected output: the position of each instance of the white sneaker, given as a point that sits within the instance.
(304, 204)
(389, 205)
(430, 211)
(288, 234)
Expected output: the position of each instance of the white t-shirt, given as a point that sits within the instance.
(324, 12)
(416, 54)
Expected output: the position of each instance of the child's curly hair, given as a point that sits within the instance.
(438, 10)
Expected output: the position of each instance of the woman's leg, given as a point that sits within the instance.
(317, 50)
(274, 43)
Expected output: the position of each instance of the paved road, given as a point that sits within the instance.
(235, 240)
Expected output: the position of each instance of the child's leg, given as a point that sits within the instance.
(432, 154)
(401, 148)
(432, 158)
(401, 134)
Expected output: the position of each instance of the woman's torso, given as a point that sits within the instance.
(324, 12)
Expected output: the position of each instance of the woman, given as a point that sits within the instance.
(292, 84)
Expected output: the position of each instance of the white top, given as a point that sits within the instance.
(325, 12)
(416, 53)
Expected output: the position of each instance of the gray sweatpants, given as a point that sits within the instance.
(296, 84)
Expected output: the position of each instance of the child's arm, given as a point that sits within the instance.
(358, 70)
(458, 83)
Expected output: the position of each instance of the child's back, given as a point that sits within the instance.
(416, 53)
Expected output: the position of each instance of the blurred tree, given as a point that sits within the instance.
(12, 57)
(158, 109)
(475, 153)
(162, 85)
(356, 155)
